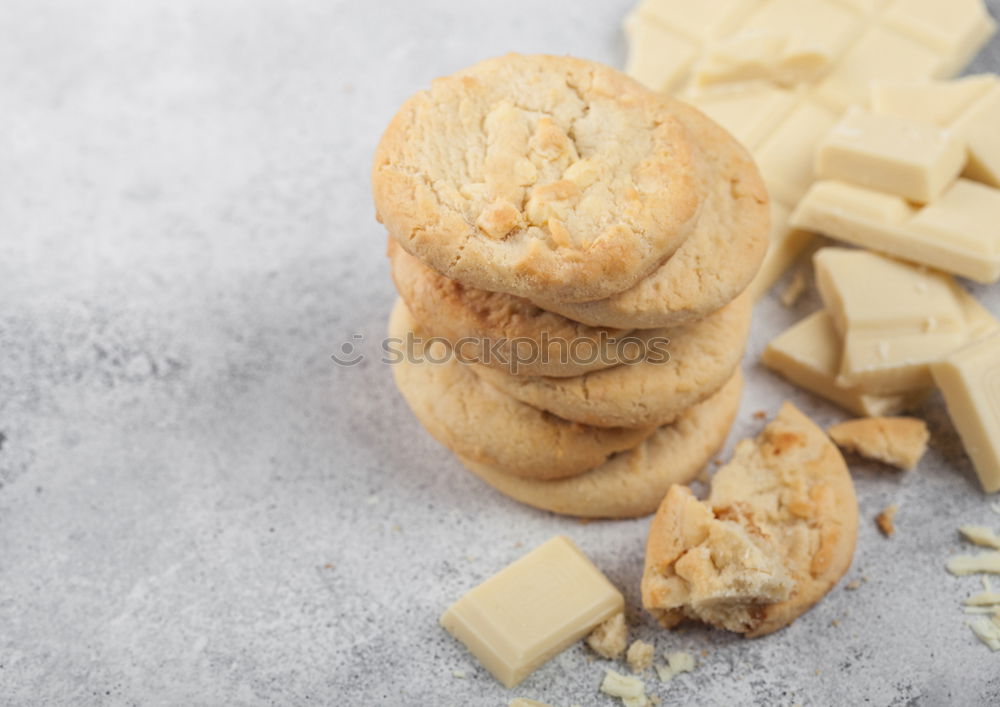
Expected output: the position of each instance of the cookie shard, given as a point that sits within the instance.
(775, 534)
(897, 441)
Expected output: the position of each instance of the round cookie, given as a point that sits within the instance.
(632, 483)
(475, 420)
(702, 357)
(774, 535)
(711, 267)
(539, 176)
(502, 331)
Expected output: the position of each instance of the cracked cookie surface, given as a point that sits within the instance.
(539, 176)
(711, 267)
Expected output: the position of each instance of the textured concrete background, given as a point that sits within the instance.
(197, 507)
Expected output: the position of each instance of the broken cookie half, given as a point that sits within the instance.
(774, 535)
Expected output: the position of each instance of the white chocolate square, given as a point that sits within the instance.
(786, 158)
(970, 381)
(658, 57)
(956, 233)
(910, 158)
(958, 29)
(748, 111)
(881, 54)
(534, 608)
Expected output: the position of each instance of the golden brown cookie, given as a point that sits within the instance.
(539, 176)
(475, 420)
(502, 331)
(711, 267)
(702, 357)
(632, 483)
(775, 534)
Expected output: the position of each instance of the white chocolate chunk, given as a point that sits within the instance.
(973, 564)
(808, 354)
(987, 631)
(956, 233)
(618, 685)
(528, 612)
(677, 663)
(970, 381)
(983, 599)
(910, 158)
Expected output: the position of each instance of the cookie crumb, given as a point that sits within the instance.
(852, 585)
(460, 674)
(884, 520)
(835, 623)
(640, 656)
(609, 639)
(760, 415)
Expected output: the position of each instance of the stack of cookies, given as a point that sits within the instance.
(571, 252)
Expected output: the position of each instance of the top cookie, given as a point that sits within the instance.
(540, 176)
(711, 267)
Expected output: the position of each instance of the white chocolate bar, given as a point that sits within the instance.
(914, 159)
(528, 612)
(957, 233)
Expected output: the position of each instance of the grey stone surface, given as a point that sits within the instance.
(198, 507)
